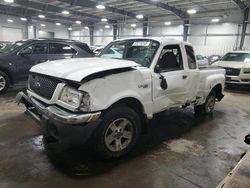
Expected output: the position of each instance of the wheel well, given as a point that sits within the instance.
(218, 91)
(136, 105)
(8, 74)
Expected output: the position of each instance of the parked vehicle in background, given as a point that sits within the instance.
(108, 100)
(237, 65)
(1, 46)
(202, 61)
(213, 58)
(17, 58)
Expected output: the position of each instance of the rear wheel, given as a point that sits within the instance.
(4, 82)
(208, 106)
(118, 132)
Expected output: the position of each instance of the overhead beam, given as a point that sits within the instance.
(240, 4)
(92, 4)
(29, 14)
(165, 6)
(55, 9)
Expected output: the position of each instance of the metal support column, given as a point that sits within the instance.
(185, 30)
(115, 32)
(91, 35)
(145, 27)
(244, 27)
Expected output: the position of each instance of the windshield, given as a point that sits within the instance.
(242, 57)
(141, 51)
(11, 47)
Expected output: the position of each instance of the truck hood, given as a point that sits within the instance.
(232, 64)
(78, 68)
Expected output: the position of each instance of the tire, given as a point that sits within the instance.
(118, 123)
(208, 106)
(4, 82)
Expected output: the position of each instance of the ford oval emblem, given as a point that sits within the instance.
(37, 85)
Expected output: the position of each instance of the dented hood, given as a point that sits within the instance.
(78, 68)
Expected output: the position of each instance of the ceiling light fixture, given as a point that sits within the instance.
(41, 16)
(58, 24)
(65, 12)
(86, 27)
(23, 19)
(215, 20)
(104, 19)
(167, 23)
(100, 6)
(9, 1)
(139, 16)
(43, 25)
(70, 29)
(9, 20)
(133, 25)
(78, 22)
(191, 11)
(107, 26)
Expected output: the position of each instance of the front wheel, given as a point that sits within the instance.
(118, 132)
(4, 82)
(207, 107)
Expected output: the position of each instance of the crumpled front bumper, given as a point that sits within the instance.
(63, 125)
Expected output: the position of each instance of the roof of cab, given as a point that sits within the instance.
(162, 40)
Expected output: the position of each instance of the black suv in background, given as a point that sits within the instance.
(17, 58)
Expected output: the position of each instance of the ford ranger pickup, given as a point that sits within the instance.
(108, 99)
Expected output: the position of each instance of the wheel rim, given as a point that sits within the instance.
(119, 134)
(210, 104)
(2, 83)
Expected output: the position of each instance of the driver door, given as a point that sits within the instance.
(170, 67)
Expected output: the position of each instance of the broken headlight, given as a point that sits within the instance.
(71, 96)
(85, 104)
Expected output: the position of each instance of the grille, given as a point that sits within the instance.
(232, 72)
(42, 85)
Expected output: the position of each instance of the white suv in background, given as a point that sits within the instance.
(237, 65)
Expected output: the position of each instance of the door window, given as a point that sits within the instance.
(38, 48)
(59, 48)
(190, 57)
(170, 59)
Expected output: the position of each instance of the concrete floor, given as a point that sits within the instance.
(179, 151)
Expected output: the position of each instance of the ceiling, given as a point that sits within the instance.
(118, 10)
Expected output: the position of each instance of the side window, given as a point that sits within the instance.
(170, 58)
(59, 48)
(190, 57)
(38, 48)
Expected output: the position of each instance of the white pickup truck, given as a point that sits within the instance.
(108, 99)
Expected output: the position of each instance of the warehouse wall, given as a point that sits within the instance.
(18, 30)
(10, 32)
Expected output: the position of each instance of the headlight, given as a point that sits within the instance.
(71, 96)
(246, 70)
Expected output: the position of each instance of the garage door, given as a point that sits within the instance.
(12, 34)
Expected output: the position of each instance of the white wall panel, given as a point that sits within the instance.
(11, 34)
(224, 28)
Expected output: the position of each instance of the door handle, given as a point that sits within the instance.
(184, 76)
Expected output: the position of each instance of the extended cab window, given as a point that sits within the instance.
(59, 48)
(170, 58)
(38, 48)
(190, 57)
